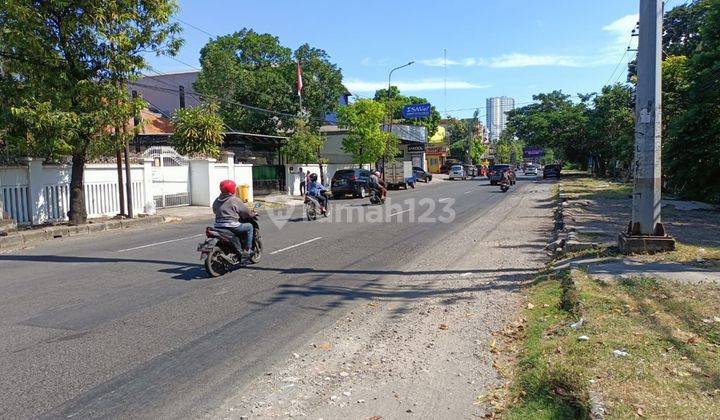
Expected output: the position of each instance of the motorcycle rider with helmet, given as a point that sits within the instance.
(232, 214)
(377, 184)
(317, 190)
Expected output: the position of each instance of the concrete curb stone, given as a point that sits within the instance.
(21, 239)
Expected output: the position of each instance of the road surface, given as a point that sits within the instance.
(127, 324)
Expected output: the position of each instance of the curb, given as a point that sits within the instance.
(22, 239)
(565, 237)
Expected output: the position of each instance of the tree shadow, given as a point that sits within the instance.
(179, 270)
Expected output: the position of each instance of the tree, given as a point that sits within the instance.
(508, 149)
(199, 131)
(611, 128)
(365, 141)
(65, 62)
(695, 150)
(394, 103)
(554, 121)
(304, 145)
(248, 68)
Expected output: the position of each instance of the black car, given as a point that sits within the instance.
(495, 173)
(350, 182)
(551, 171)
(421, 174)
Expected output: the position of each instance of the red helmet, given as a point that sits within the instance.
(228, 186)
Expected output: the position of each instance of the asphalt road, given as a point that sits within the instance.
(128, 325)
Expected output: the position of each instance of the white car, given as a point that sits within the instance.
(457, 172)
(531, 171)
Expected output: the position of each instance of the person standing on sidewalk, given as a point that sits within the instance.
(303, 180)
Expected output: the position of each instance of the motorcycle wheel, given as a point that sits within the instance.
(214, 265)
(257, 248)
(311, 213)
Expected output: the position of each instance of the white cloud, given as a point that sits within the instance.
(441, 62)
(366, 61)
(621, 27)
(528, 60)
(358, 85)
(369, 61)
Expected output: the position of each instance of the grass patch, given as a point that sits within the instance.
(590, 188)
(684, 253)
(671, 332)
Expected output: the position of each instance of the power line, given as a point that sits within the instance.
(194, 27)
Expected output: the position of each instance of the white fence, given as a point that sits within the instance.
(37, 193)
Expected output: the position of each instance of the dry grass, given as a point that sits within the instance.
(671, 332)
(585, 187)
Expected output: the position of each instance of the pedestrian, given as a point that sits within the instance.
(303, 180)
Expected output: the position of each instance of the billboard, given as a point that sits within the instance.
(533, 152)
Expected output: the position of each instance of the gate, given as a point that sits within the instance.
(268, 179)
(170, 174)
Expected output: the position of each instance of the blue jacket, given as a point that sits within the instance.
(315, 189)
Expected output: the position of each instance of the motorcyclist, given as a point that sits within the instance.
(377, 184)
(506, 177)
(232, 214)
(317, 190)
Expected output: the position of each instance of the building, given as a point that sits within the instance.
(165, 92)
(497, 109)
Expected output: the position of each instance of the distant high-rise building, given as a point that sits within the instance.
(497, 109)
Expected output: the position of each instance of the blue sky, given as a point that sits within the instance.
(505, 47)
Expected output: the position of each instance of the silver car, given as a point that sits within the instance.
(531, 171)
(457, 172)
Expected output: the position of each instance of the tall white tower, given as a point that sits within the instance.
(497, 109)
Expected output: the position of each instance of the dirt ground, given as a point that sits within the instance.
(427, 357)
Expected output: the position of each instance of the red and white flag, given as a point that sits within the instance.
(299, 78)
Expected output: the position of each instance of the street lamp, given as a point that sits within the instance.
(388, 96)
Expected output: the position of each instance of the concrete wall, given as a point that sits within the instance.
(37, 193)
(206, 175)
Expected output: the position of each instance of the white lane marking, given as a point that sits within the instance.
(296, 245)
(398, 212)
(467, 192)
(160, 243)
(442, 200)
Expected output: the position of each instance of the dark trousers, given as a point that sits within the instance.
(245, 229)
(302, 187)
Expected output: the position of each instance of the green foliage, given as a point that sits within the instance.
(508, 149)
(554, 121)
(304, 145)
(64, 67)
(366, 142)
(693, 154)
(255, 69)
(611, 128)
(394, 103)
(198, 131)
(457, 130)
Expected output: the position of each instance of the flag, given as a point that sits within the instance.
(299, 78)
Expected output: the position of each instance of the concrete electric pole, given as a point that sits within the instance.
(645, 232)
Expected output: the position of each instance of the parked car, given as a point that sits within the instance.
(495, 173)
(471, 170)
(445, 168)
(551, 171)
(421, 174)
(457, 171)
(350, 182)
(531, 171)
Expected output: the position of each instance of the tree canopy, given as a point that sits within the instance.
(394, 103)
(249, 68)
(199, 131)
(365, 141)
(304, 145)
(63, 69)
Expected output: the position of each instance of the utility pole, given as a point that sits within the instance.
(645, 231)
(390, 124)
(181, 90)
(128, 178)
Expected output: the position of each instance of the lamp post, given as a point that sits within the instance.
(388, 96)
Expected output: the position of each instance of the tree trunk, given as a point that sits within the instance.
(77, 213)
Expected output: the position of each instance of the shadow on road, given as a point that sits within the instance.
(180, 270)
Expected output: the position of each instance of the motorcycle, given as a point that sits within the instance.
(375, 198)
(313, 207)
(219, 254)
(504, 186)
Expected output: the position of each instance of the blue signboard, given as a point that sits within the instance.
(416, 111)
(533, 152)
